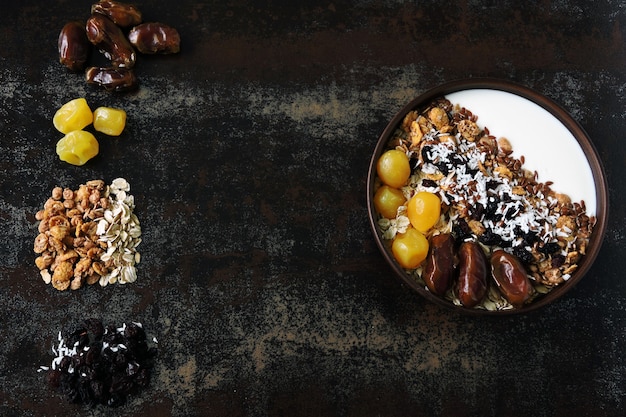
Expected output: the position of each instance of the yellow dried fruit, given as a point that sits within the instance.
(77, 147)
(73, 115)
(109, 120)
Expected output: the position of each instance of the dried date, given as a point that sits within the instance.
(472, 274)
(74, 47)
(112, 79)
(155, 38)
(122, 14)
(511, 278)
(440, 266)
(109, 38)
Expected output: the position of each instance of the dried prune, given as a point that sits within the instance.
(155, 38)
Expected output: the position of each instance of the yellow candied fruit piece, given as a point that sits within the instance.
(73, 115)
(77, 147)
(393, 168)
(410, 248)
(423, 210)
(109, 120)
(387, 200)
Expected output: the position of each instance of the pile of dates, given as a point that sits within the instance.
(469, 266)
(115, 29)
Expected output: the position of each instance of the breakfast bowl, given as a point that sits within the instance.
(486, 197)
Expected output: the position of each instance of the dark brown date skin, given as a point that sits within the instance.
(109, 38)
(472, 274)
(74, 47)
(122, 14)
(112, 79)
(511, 278)
(439, 269)
(155, 38)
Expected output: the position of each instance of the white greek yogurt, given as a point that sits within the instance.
(547, 145)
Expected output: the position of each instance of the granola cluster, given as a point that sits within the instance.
(488, 196)
(87, 236)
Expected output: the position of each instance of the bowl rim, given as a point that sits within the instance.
(581, 136)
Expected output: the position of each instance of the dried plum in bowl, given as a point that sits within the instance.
(486, 197)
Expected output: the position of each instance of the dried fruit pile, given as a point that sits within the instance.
(116, 30)
(88, 235)
(79, 146)
(97, 364)
(495, 213)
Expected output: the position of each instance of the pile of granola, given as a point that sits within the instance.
(88, 235)
(488, 196)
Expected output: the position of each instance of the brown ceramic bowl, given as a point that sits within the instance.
(500, 102)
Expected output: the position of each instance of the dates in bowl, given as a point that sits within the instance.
(486, 197)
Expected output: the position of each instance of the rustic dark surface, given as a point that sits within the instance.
(247, 155)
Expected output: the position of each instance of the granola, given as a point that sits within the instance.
(488, 196)
(89, 235)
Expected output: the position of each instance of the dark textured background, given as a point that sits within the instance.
(247, 155)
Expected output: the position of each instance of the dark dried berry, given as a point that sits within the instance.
(456, 160)
(477, 211)
(133, 331)
(92, 355)
(65, 363)
(491, 208)
(523, 254)
(425, 153)
(550, 248)
(132, 368)
(78, 338)
(492, 239)
(443, 167)
(112, 337)
(108, 369)
(557, 261)
(461, 230)
(492, 184)
(427, 182)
